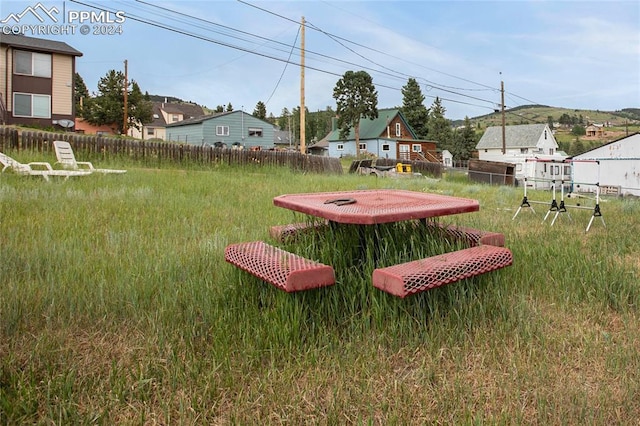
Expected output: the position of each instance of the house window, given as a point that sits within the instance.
(150, 131)
(416, 147)
(222, 130)
(523, 150)
(340, 147)
(363, 146)
(385, 147)
(175, 117)
(545, 135)
(255, 132)
(551, 151)
(28, 105)
(398, 132)
(31, 63)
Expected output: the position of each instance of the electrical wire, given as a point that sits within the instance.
(392, 74)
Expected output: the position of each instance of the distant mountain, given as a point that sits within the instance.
(531, 114)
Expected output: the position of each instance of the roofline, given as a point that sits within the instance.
(607, 144)
(25, 45)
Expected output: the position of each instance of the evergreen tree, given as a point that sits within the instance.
(219, 109)
(260, 111)
(139, 106)
(464, 142)
(229, 107)
(439, 128)
(413, 108)
(107, 108)
(80, 94)
(284, 119)
(356, 97)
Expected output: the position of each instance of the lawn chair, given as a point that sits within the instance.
(37, 168)
(66, 158)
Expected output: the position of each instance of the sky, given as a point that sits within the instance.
(571, 54)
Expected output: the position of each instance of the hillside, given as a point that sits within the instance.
(530, 114)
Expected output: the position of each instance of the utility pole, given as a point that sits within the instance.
(302, 108)
(504, 136)
(126, 112)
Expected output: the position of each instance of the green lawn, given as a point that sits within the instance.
(117, 307)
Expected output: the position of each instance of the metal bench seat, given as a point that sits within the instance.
(424, 274)
(285, 270)
(284, 233)
(469, 236)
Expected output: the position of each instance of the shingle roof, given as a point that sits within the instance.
(38, 44)
(371, 129)
(522, 136)
(187, 110)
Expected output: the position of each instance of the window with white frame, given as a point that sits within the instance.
(222, 130)
(255, 132)
(174, 118)
(363, 146)
(340, 147)
(32, 63)
(416, 147)
(30, 105)
(386, 147)
(150, 131)
(398, 130)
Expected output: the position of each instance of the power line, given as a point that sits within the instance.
(255, 52)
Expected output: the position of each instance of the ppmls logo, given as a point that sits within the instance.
(38, 11)
(51, 21)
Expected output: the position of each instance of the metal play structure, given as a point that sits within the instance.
(555, 207)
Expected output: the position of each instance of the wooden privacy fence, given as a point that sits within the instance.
(90, 147)
(425, 167)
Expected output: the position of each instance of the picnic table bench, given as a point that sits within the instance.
(285, 270)
(435, 271)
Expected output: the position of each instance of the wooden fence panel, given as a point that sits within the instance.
(92, 147)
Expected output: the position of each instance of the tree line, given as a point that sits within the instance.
(355, 95)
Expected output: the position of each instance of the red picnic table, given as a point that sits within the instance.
(371, 207)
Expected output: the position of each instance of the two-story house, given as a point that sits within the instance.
(233, 129)
(165, 113)
(526, 146)
(36, 81)
(388, 136)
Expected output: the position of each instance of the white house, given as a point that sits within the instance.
(615, 166)
(523, 145)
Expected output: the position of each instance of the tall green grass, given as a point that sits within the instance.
(116, 306)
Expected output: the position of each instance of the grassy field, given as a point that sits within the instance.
(117, 307)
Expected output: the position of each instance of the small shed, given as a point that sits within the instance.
(492, 172)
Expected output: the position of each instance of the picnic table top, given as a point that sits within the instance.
(375, 206)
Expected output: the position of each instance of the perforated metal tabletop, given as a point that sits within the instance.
(369, 207)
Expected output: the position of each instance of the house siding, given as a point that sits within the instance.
(239, 123)
(619, 166)
(375, 133)
(62, 87)
(5, 83)
(59, 86)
